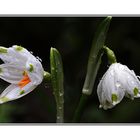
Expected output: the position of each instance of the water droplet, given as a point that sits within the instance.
(39, 58)
(118, 84)
(138, 77)
(128, 77)
(60, 107)
(58, 117)
(60, 94)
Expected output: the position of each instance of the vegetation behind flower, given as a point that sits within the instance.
(73, 38)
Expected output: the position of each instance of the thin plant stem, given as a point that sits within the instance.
(84, 97)
(80, 107)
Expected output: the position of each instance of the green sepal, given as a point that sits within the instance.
(110, 54)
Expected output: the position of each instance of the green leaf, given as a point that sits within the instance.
(95, 55)
(57, 79)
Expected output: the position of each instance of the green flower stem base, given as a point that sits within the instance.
(80, 107)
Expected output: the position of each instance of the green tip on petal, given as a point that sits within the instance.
(3, 50)
(136, 91)
(19, 48)
(4, 99)
(31, 68)
(22, 92)
(114, 97)
(0, 70)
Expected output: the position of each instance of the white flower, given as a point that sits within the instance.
(117, 82)
(21, 69)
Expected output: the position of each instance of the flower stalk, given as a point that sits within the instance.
(110, 54)
(57, 79)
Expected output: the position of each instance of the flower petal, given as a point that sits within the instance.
(6, 54)
(35, 71)
(22, 54)
(128, 80)
(15, 54)
(11, 73)
(14, 92)
(110, 91)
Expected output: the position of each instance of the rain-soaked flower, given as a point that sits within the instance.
(23, 70)
(117, 82)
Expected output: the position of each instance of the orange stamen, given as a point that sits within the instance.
(25, 80)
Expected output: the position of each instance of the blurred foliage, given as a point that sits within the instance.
(72, 36)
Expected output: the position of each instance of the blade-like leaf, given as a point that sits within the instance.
(93, 63)
(57, 81)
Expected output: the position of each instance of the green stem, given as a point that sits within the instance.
(80, 107)
(84, 96)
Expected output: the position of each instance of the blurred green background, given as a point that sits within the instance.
(72, 36)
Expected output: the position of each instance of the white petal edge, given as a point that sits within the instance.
(12, 92)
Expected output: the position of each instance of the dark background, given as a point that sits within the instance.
(72, 36)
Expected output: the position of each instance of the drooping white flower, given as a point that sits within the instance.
(117, 82)
(21, 69)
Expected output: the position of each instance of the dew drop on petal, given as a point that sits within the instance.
(118, 84)
(138, 77)
(39, 58)
(31, 52)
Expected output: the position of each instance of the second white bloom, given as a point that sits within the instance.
(117, 82)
